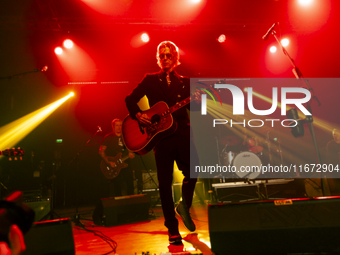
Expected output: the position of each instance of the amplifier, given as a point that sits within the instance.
(248, 190)
(115, 211)
(305, 225)
(50, 237)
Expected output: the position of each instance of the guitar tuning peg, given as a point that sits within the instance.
(20, 158)
(10, 158)
(15, 158)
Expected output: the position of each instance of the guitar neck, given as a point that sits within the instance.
(179, 105)
(125, 158)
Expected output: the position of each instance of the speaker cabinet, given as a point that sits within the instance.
(115, 211)
(241, 191)
(50, 237)
(306, 225)
(150, 181)
(236, 191)
(41, 208)
(198, 193)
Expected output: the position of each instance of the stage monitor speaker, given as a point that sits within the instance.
(115, 211)
(306, 225)
(41, 208)
(50, 237)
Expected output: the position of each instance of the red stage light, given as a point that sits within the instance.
(308, 15)
(78, 64)
(58, 50)
(145, 37)
(273, 49)
(305, 2)
(285, 42)
(68, 44)
(195, 1)
(221, 38)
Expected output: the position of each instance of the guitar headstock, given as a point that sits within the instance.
(210, 86)
(13, 153)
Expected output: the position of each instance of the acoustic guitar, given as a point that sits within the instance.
(142, 139)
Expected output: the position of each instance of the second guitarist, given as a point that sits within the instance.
(110, 147)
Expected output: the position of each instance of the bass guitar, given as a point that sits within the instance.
(141, 139)
(112, 172)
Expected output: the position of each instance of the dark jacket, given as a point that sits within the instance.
(155, 87)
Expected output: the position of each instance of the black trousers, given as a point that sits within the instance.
(123, 180)
(166, 152)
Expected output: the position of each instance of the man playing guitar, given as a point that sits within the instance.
(111, 146)
(169, 87)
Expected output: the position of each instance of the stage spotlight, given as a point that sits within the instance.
(58, 50)
(145, 37)
(285, 42)
(221, 38)
(74, 61)
(68, 44)
(273, 49)
(195, 1)
(71, 94)
(12, 133)
(305, 2)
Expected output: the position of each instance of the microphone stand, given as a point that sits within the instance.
(296, 71)
(52, 213)
(43, 69)
(76, 218)
(219, 158)
(269, 148)
(150, 178)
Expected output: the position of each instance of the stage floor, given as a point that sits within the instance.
(146, 236)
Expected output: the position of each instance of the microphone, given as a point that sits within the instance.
(44, 69)
(265, 37)
(99, 129)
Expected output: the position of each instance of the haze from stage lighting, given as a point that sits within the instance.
(12, 133)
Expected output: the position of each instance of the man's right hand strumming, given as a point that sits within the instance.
(143, 119)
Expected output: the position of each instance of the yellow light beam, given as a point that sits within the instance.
(267, 99)
(325, 125)
(12, 133)
(225, 112)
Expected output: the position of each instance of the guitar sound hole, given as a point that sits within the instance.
(155, 118)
